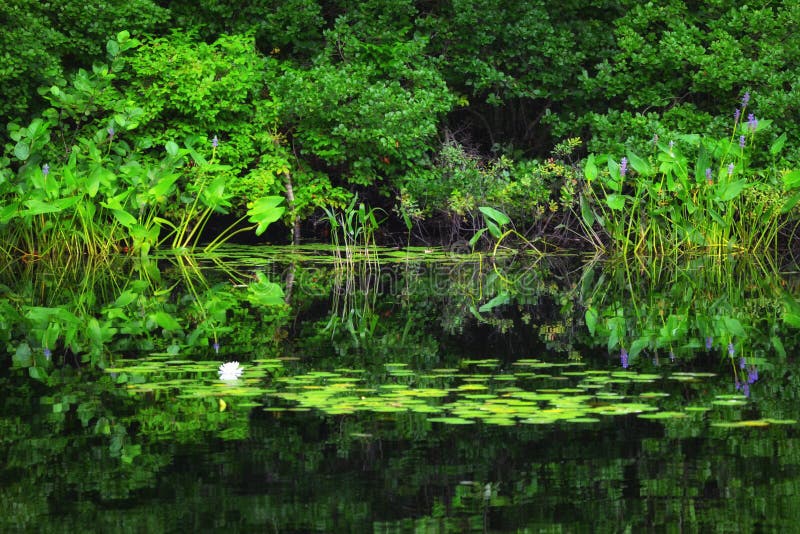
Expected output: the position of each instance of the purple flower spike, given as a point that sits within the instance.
(709, 342)
(47, 353)
(736, 115)
(111, 132)
(214, 142)
(623, 357)
(709, 179)
(742, 141)
(731, 350)
(742, 363)
(671, 356)
(752, 122)
(216, 347)
(746, 99)
(738, 385)
(45, 169)
(730, 169)
(623, 167)
(753, 375)
(746, 390)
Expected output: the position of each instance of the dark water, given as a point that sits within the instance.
(172, 448)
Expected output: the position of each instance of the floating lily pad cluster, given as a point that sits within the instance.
(529, 391)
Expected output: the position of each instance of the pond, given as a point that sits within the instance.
(399, 390)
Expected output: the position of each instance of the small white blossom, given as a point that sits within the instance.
(230, 371)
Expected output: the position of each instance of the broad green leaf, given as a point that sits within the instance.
(791, 202)
(615, 201)
(125, 219)
(733, 326)
(38, 207)
(791, 180)
(499, 300)
(476, 237)
(37, 373)
(166, 321)
(637, 346)
(496, 216)
(22, 356)
(493, 229)
(125, 298)
(591, 317)
(265, 211)
(171, 147)
(778, 345)
(590, 169)
(777, 145)
(22, 150)
(731, 190)
(640, 165)
(586, 212)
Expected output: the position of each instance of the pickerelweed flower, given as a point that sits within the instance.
(623, 358)
(230, 371)
(47, 353)
(730, 169)
(742, 141)
(752, 375)
(214, 142)
(45, 169)
(111, 132)
(752, 122)
(709, 179)
(746, 99)
(215, 346)
(623, 167)
(671, 356)
(709, 342)
(746, 390)
(742, 363)
(731, 349)
(736, 115)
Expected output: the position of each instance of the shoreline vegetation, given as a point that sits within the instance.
(670, 133)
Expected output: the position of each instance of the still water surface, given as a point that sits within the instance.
(404, 393)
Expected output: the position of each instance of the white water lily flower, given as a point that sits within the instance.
(230, 371)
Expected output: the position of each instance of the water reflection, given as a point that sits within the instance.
(358, 379)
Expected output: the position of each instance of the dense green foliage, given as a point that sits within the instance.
(428, 110)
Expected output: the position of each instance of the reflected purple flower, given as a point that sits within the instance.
(752, 375)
